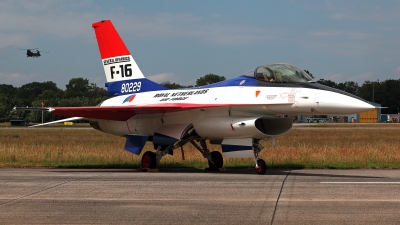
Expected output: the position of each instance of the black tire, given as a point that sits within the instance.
(149, 160)
(262, 167)
(217, 159)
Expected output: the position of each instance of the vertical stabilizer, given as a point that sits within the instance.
(122, 73)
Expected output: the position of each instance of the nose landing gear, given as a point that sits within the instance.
(261, 166)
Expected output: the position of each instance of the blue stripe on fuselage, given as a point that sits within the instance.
(144, 85)
(238, 81)
(234, 148)
(133, 86)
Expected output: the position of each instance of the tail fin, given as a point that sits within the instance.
(122, 73)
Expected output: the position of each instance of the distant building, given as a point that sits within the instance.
(390, 118)
(371, 116)
(18, 122)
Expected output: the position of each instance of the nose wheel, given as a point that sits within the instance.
(261, 167)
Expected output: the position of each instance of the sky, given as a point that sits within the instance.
(180, 41)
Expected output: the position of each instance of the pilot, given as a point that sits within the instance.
(266, 75)
(269, 78)
(265, 78)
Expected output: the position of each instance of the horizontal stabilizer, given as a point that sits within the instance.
(58, 121)
(32, 108)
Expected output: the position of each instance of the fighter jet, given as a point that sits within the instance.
(235, 113)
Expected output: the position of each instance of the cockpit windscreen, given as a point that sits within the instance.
(281, 73)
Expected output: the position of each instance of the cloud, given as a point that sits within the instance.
(190, 25)
(334, 77)
(326, 33)
(397, 70)
(14, 40)
(18, 79)
(363, 77)
(338, 16)
(341, 34)
(348, 43)
(340, 78)
(367, 11)
(354, 29)
(162, 77)
(72, 19)
(50, 18)
(233, 34)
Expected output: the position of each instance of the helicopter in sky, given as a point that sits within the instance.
(34, 53)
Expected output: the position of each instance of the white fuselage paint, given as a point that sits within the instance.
(235, 107)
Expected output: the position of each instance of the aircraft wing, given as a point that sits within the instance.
(122, 113)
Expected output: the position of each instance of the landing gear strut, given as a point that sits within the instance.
(261, 166)
(150, 160)
(215, 160)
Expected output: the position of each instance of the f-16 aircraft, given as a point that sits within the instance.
(235, 113)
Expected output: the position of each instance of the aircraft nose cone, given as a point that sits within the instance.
(335, 103)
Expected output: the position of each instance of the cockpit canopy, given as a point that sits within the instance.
(280, 72)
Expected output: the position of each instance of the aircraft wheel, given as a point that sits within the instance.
(149, 160)
(217, 159)
(261, 167)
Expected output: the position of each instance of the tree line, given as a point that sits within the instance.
(79, 92)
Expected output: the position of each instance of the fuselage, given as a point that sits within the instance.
(235, 106)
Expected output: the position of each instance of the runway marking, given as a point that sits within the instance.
(359, 182)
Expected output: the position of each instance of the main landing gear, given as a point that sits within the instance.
(216, 161)
(150, 160)
(214, 158)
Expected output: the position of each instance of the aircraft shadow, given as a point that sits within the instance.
(228, 170)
